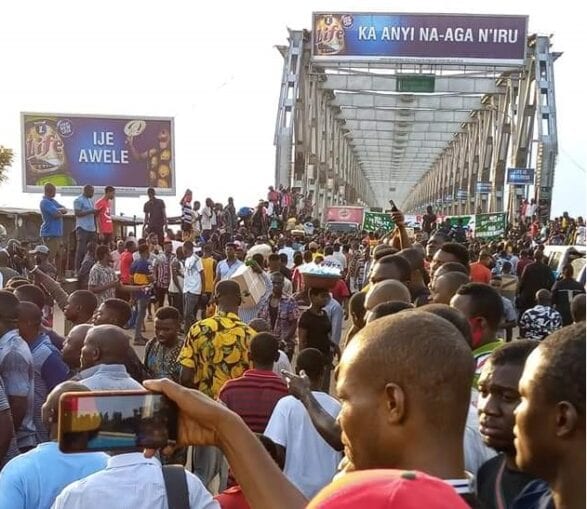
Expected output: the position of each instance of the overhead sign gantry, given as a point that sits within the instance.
(423, 108)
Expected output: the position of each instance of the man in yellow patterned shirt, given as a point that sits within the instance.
(214, 351)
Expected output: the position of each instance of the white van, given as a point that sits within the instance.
(559, 256)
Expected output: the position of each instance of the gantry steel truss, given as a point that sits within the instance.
(346, 135)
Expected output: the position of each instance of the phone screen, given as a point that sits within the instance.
(115, 421)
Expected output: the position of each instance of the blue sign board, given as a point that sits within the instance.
(520, 176)
(408, 36)
(484, 187)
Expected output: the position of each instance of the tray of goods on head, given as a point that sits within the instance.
(321, 277)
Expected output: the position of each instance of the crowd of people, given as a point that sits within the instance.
(438, 371)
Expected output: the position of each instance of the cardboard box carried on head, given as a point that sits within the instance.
(252, 286)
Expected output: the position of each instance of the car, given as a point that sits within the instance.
(559, 256)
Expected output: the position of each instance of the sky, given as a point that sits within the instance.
(217, 72)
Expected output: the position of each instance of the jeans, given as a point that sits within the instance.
(142, 305)
(207, 461)
(190, 306)
(176, 301)
(82, 237)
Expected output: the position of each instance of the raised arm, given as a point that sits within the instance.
(325, 424)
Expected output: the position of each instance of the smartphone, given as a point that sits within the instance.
(393, 207)
(115, 421)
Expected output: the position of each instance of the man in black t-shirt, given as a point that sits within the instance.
(314, 330)
(499, 481)
(155, 217)
(563, 293)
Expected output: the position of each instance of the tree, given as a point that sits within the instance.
(6, 156)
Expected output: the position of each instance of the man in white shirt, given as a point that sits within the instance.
(130, 480)
(330, 260)
(289, 251)
(340, 256)
(227, 267)
(116, 254)
(310, 463)
(192, 283)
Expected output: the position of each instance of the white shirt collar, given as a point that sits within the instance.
(131, 458)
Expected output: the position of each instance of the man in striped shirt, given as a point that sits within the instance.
(254, 395)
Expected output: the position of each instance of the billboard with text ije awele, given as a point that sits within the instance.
(70, 151)
(459, 38)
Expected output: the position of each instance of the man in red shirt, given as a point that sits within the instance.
(479, 271)
(126, 260)
(254, 395)
(104, 217)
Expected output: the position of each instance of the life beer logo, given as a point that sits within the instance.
(329, 33)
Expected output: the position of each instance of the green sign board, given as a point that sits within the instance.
(454, 220)
(377, 221)
(490, 226)
(417, 83)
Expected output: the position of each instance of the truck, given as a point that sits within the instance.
(343, 218)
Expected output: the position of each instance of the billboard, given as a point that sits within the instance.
(342, 214)
(520, 176)
(448, 38)
(70, 151)
(377, 221)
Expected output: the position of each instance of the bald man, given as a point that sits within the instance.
(386, 291)
(103, 358)
(72, 347)
(407, 376)
(34, 479)
(387, 309)
(49, 368)
(444, 287)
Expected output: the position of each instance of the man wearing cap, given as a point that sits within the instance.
(52, 225)
(42, 254)
(214, 351)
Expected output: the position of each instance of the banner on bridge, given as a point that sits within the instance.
(490, 226)
(447, 38)
(70, 151)
(377, 221)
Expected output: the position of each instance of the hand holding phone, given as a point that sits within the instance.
(115, 421)
(393, 206)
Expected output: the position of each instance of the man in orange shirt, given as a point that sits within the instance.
(480, 272)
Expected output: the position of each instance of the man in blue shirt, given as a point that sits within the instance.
(35, 479)
(52, 226)
(50, 370)
(85, 223)
(16, 371)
